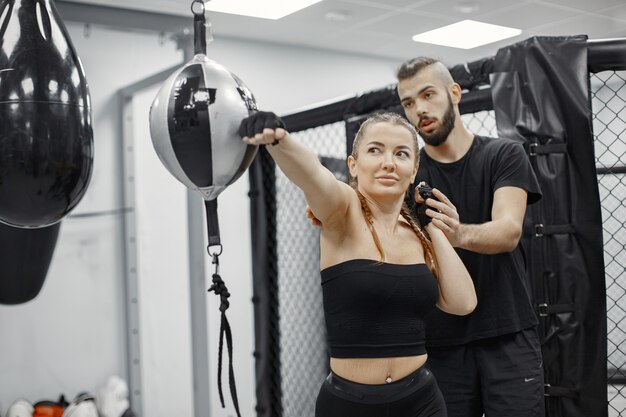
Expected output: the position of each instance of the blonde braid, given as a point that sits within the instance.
(367, 213)
(426, 243)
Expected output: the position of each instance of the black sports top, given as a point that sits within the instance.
(375, 309)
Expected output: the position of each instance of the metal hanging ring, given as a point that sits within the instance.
(216, 253)
(198, 12)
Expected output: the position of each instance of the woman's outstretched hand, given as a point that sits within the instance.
(262, 128)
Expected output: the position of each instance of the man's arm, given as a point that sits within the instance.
(501, 234)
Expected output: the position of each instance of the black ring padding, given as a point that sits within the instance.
(471, 75)
(556, 391)
(476, 100)
(385, 99)
(602, 55)
(616, 380)
(604, 170)
(606, 55)
(544, 309)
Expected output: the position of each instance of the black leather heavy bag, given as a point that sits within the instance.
(25, 256)
(46, 139)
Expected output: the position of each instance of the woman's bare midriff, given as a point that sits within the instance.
(376, 370)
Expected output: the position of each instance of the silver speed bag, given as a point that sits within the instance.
(46, 138)
(194, 122)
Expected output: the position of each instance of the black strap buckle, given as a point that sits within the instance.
(543, 310)
(556, 391)
(547, 390)
(538, 230)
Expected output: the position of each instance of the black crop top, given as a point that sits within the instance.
(376, 310)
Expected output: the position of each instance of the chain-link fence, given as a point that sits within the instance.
(608, 92)
(481, 123)
(303, 355)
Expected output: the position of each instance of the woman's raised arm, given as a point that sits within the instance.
(456, 288)
(328, 197)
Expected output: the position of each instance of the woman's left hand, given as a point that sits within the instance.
(444, 216)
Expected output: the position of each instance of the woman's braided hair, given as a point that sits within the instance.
(429, 251)
(431, 260)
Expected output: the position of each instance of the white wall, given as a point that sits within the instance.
(72, 336)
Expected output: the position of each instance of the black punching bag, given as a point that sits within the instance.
(25, 256)
(46, 140)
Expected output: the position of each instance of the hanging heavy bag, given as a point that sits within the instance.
(46, 139)
(25, 256)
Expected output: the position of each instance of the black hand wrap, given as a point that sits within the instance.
(421, 216)
(258, 121)
(425, 191)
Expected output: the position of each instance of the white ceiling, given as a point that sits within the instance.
(384, 27)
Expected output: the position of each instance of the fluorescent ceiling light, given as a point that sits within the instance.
(264, 9)
(466, 34)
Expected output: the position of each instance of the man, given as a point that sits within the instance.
(490, 361)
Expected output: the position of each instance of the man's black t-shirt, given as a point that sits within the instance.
(502, 288)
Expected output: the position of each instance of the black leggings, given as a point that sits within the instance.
(416, 395)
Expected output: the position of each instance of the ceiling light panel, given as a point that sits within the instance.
(266, 9)
(466, 34)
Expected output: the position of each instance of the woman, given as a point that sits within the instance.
(381, 273)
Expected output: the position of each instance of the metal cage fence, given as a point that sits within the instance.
(608, 101)
(303, 356)
(481, 123)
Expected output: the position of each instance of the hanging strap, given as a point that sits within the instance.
(555, 391)
(545, 309)
(541, 230)
(212, 224)
(219, 288)
(534, 148)
(199, 27)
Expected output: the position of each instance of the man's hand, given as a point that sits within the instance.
(444, 215)
(314, 220)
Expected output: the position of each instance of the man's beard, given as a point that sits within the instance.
(439, 135)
